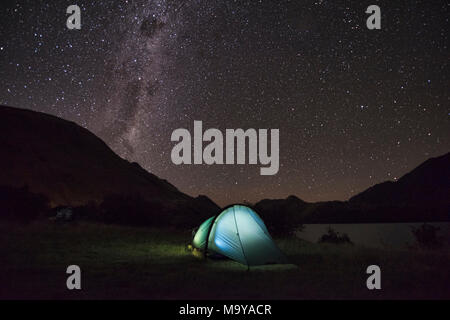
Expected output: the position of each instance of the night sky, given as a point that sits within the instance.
(354, 106)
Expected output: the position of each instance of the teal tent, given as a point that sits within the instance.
(239, 234)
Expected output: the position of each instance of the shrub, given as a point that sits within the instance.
(282, 224)
(333, 236)
(427, 236)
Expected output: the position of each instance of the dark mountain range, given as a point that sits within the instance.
(72, 167)
(47, 158)
(427, 185)
(420, 195)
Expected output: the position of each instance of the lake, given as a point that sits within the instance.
(385, 235)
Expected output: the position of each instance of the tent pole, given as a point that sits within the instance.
(239, 237)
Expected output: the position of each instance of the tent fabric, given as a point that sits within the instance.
(239, 234)
(202, 233)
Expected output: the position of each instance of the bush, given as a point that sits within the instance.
(282, 225)
(88, 211)
(426, 236)
(335, 237)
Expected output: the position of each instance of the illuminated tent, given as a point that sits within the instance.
(239, 234)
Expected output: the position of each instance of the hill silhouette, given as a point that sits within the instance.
(52, 162)
(427, 185)
(420, 195)
(72, 167)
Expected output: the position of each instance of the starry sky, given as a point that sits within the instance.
(354, 106)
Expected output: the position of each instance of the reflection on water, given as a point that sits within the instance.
(390, 235)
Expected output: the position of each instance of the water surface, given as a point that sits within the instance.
(388, 235)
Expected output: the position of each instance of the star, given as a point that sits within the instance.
(353, 107)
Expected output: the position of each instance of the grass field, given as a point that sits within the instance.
(140, 263)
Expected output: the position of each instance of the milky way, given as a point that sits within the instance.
(354, 106)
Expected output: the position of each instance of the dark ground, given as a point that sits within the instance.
(139, 263)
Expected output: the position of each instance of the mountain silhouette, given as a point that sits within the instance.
(420, 195)
(72, 167)
(43, 155)
(427, 185)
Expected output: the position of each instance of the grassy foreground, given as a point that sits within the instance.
(141, 263)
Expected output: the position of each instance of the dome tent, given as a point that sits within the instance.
(239, 234)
